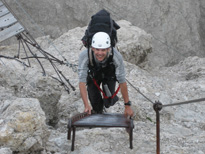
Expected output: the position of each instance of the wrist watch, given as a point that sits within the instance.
(128, 103)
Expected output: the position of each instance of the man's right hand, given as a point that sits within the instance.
(83, 92)
(88, 109)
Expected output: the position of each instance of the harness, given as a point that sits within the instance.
(103, 74)
(104, 95)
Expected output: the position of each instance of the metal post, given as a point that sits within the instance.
(73, 139)
(157, 107)
(158, 131)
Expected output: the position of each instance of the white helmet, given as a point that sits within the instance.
(101, 40)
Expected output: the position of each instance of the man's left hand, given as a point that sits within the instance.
(128, 111)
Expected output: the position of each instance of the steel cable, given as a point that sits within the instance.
(137, 89)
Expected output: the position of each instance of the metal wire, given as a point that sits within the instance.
(137, 89)
(185, 102)
(73, 66)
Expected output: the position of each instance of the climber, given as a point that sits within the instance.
(102, 64)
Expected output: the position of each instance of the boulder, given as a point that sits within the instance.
(134, 43)
(22, 125)
(5, 151)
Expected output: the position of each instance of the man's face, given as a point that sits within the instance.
(100, 54)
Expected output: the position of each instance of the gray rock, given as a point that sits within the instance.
(5, 151)
(177, 27)
(22, 125)
(182, 127)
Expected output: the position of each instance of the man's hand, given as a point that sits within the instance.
(88, 109)
(83, 93)
(128, 111)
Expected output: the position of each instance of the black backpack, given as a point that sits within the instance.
(101, 22)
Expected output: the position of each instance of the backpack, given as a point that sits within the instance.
(101, 22)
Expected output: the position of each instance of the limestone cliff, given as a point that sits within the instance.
(177, 27)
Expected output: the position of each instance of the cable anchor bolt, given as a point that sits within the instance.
(157, 106)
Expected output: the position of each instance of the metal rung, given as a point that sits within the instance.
(3, 10)
(11, 31)
(99, 120)
(7, 20)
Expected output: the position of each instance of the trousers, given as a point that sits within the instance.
(96, 99)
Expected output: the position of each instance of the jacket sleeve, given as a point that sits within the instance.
(119, 66)
(83, 66)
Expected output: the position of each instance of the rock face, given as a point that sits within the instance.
(5, 151)
(177, 27)
(22, 125)
(136, 45)
(32, 106)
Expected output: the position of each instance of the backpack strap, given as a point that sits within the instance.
(90, 56)
(111, 27)
(112, 53)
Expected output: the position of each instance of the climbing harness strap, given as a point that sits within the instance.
(104, 95)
